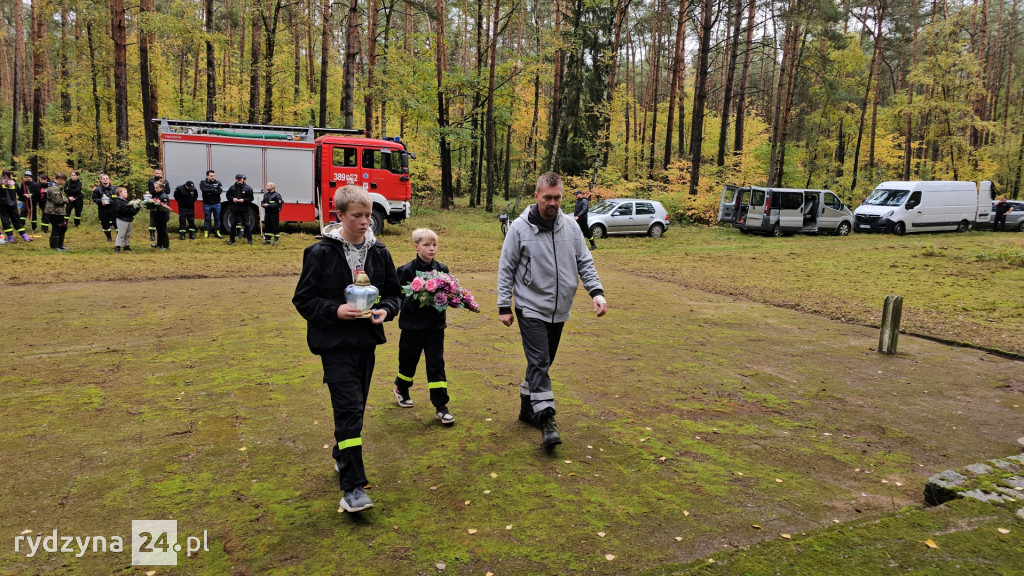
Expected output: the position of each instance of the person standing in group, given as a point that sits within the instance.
(241, 196)
(30, 203)
(54, 211)
(10, 216)
(272, 213)
(160, 214)
(342, 335)
(124, 212)
(102, 196)
(40, 201)
(422, 332)
(158, 176)
(212, 190)
(73, 190)
(542, 261)
(580, 214)
(186, 196)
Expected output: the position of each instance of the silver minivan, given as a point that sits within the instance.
(778, 211)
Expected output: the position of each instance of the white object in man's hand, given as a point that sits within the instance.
(600, 305)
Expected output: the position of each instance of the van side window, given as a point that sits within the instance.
(789, 200)
(624, 210)
(644, 208)
(915, 198)
(832, 201)
(345, 157)
(757, 197)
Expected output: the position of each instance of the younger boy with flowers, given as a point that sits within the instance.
(422, 330)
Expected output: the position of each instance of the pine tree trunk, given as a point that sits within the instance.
(723, 135)
(878, 85)
(38, 77)
(656, 73)
(351, 56)
(700, 96)
(100, 160)
(65, 75)
(255, 62)
(371, 70)
(147, 10)
(270, 36)
(17, 102)
(741, 98)
(441, 49)
(678, 57)
(554, 119)
(908, 141)
(325, 52)
(211, 65)
(491, 157)
(119, 35)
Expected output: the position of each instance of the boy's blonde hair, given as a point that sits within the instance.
(350, 194)
(421, 234)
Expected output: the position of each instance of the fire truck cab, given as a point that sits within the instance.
(306, 164)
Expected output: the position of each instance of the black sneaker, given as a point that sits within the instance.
(355, 500)
(526, 412)
(230, 242)
(403, 398)
(549, 436)
(445, 416)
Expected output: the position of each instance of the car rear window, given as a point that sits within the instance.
(644, 208)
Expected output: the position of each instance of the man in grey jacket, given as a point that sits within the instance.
(542, 261)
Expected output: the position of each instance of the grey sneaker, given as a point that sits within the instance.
(355, 500)
(403, 399)
(445, 416)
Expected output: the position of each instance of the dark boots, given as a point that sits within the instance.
(191, 235)
(152, 235)
(526, 412)
(592, 245)
(549, 436)
(181, 234)
(117, 249)
(266, 238)
(107, 232)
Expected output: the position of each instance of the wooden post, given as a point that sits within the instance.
(891, 313)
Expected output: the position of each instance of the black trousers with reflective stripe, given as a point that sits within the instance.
(431, 343)
(347, 375)
(272, 224)
(540, 343)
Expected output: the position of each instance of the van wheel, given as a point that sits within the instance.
(377, 221)
(1020, 227)
(656, 231)
(597, 231)
(776, 231)
(899, 229)
(844, 229)
(964, 226)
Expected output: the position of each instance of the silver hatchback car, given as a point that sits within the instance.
(627, 216)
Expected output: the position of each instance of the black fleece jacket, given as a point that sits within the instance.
(321, 290)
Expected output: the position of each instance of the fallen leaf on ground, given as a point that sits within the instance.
(686, 512)
(472, 530)
(242, 449)
(779, 480)
(609, 557)
(433, 487)
(930, 543)
(899, 483)
(568, 461)
(679, 538)
(508, 527)
(327, 445)
(489, 574)
(488, 419)
(601, 534)
(1003, 531)
(467, 502)
(494, 474)
(150, 573)
(315, 422)
(662, 458)
(487, 491)
(26, 531)
(756, 526)
(439, 565)
(786, 536)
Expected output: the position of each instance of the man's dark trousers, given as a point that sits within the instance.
(540, 343)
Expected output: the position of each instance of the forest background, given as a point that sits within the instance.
(662, 99)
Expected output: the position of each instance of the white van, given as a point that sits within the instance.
(916, 206)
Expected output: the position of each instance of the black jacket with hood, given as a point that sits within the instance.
(321, 290)
(415, 317)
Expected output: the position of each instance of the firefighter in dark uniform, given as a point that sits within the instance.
(422, 332)
(102, 196)
(186, 196)
(9, 214)
(272, 201)
(241, 196)
(30, 203)
(158, 176)
(73, 189)
(39, 203)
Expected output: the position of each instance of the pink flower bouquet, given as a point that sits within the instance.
(439, 290)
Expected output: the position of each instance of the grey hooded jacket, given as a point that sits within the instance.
(541, 270)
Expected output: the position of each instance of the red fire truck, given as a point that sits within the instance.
(306, 164)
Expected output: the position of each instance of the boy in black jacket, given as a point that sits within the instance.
(339, 333)
(272, 213)
(186, 196)
(422, 331)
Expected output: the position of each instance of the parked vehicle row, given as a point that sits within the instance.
(896, 207)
